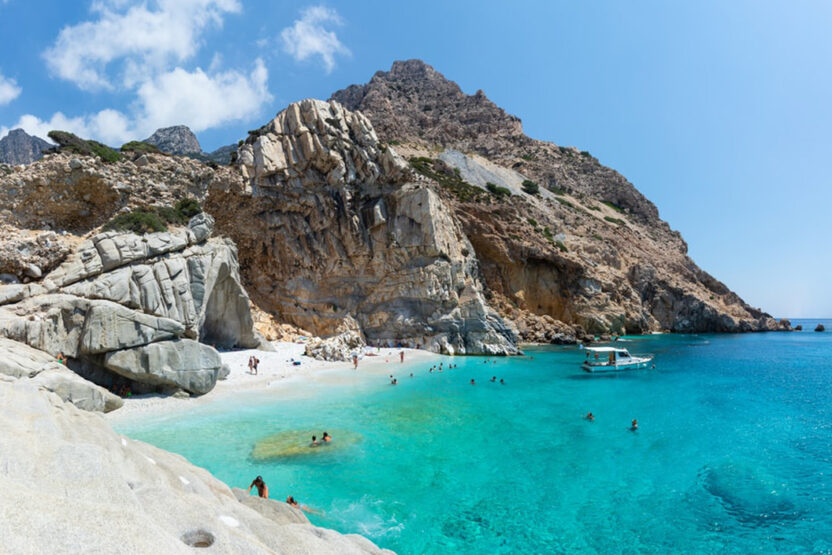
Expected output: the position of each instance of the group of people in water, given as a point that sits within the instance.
(263, 491)
(440, 367)
(633, 425)
(326, 438)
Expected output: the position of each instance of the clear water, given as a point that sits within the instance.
(733, 452)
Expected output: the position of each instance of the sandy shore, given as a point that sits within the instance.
(276, 375)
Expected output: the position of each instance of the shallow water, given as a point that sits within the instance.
(733, 452)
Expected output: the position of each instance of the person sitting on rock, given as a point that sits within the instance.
(61, 358)
(291, 501)
(262, 488)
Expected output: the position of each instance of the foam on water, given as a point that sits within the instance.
(733, 452)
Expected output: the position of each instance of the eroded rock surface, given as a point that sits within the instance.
(72, 485)
(137, 307)
(331, 225)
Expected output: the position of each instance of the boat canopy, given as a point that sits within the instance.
(605, 349)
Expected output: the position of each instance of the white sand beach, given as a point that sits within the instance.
(276, 374)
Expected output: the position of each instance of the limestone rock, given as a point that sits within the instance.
(177, 139)
(335, 228)
(18, 147)
(181, 363)
(339, 347)
(69, 480)
(18, 360)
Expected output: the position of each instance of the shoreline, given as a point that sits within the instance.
(275, 377)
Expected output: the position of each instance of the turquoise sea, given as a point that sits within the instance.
(733, 452)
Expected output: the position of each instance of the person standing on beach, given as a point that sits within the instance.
(355, 362)
(256, 364)
(262, 488)
(401, 356)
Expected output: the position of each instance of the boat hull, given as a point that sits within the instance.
(613, 368)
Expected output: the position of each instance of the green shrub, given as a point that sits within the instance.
(561, 246)
(527, 157)
(496, 190)
(557, 190)
(67, 142)
(139, 146)
(138, 221)
(565, 202)
(533, 222)
(614, 206)
(530, 187)
(598, 237)
(548, 233)
(146, 220)
(586, 154)
(595, 207)
(614, 220)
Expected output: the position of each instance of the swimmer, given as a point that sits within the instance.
(291, 501)
(473, 382)
(502, 382)
(326, 438)
(411, 374)
(262, 488)
(394, 382)
(634, 426)
(314, 442)
(493, 379)
(590, 417)
(654, 366)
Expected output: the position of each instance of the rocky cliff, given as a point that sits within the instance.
(563, 242)
(18, 147)
(178, 139)
(331, 227)
(138, 310)
(72, 485)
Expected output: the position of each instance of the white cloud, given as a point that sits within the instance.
(202, 101)
(143, 39)
(308, 37)
(8, 90)
(197, 99)
(139, 46)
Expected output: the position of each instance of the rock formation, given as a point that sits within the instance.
(18, 147)
(131, 308)
(178, 139)
(330, 225)
(589, 250)
(71, 484)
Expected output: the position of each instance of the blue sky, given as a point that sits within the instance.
(719, 112)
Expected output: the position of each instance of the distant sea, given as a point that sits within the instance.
(733, 452)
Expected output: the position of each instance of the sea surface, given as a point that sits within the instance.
(733, 453)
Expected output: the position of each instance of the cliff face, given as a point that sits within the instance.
(18, 147)
(331, 227)
(593, 254)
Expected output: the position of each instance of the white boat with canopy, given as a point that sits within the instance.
(613, 359)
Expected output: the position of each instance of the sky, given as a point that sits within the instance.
(719, 112)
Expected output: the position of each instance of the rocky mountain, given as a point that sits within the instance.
(178, 139)
(579, 245)
(18, 147)
(335, 229)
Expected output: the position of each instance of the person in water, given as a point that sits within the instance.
(590, 416)
(394, 382)
(473, 382)
(502, 381)
(326, 438)
(291, 501)
(314, 441)
(493, 379)
(634, 426)
(262, 488)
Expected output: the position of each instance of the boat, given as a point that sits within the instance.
(613, 359)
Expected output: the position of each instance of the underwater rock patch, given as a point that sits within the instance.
(297, 443)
